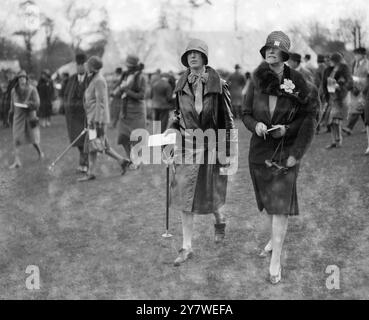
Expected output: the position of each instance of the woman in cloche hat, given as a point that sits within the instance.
(132, 90)
(281, 118)
(203, 103)
(96, 105)
(25, 102)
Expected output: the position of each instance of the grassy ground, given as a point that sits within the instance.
(102, 239)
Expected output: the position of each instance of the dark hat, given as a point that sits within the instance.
(360, 50)
(81, 58)
(307, 56)
(46, 72)
(295, 57)
(237, 66)
(22, 74)
(321, 58)
(95, 63)
(132, 61)
(195, 45)
(336, 57)
(280, 40)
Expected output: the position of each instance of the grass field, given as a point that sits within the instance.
(102, 239)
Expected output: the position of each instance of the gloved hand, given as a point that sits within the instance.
(291, 162)
(261, 129)
(280, 132)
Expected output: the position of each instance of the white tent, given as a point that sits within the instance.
(10, 64)
(70, 68)
(161, 49)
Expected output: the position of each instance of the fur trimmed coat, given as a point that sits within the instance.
(295, 110)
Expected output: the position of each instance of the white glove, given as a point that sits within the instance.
(261, 129)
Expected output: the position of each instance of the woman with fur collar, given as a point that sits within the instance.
(202, 103)
(279, 110)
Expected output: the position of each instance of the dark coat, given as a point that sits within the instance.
(277, 192)
(236, 82)
(46, 92)
(6, 101)
(161, 95)
(293, 110)
(338, 101)
(200, 188)
(133, 115)
(344, 79)
(73, 105)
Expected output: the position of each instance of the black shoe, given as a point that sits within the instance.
(219, 232)
(331, 146)
(124, 165)
(347, 131)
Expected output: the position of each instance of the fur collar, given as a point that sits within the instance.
(267, 81)
(213, 85)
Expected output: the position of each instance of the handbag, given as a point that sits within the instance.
(96, 145)
(33, 119)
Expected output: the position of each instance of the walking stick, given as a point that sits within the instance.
(51, 167)
(323, 114)
(167, 234)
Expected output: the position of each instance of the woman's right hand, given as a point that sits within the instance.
(261, 129)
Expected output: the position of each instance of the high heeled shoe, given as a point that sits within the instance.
(275, 279)
(184, 255)
(15, 165)
(265, 253)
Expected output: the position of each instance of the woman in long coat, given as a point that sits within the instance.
(46, 93)
(23, 108)
(336, 87)
(96, 104)
(133, 114)
(202, 102)
(277, 100)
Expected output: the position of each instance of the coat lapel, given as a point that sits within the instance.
(265, 107)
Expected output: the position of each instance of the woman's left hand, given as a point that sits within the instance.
(291, 162)
(280, 132)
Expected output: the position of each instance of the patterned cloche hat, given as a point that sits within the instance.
(278, 39)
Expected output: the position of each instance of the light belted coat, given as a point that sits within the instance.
(96, 101)
(200, 188)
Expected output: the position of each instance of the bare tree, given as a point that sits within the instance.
(31, 17)
(196, 4)
(199, 3)
(49, 27)
(163, 15)
(88, 23)
(139, 42)
(351, 30)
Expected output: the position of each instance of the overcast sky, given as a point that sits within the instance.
(257, 14)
